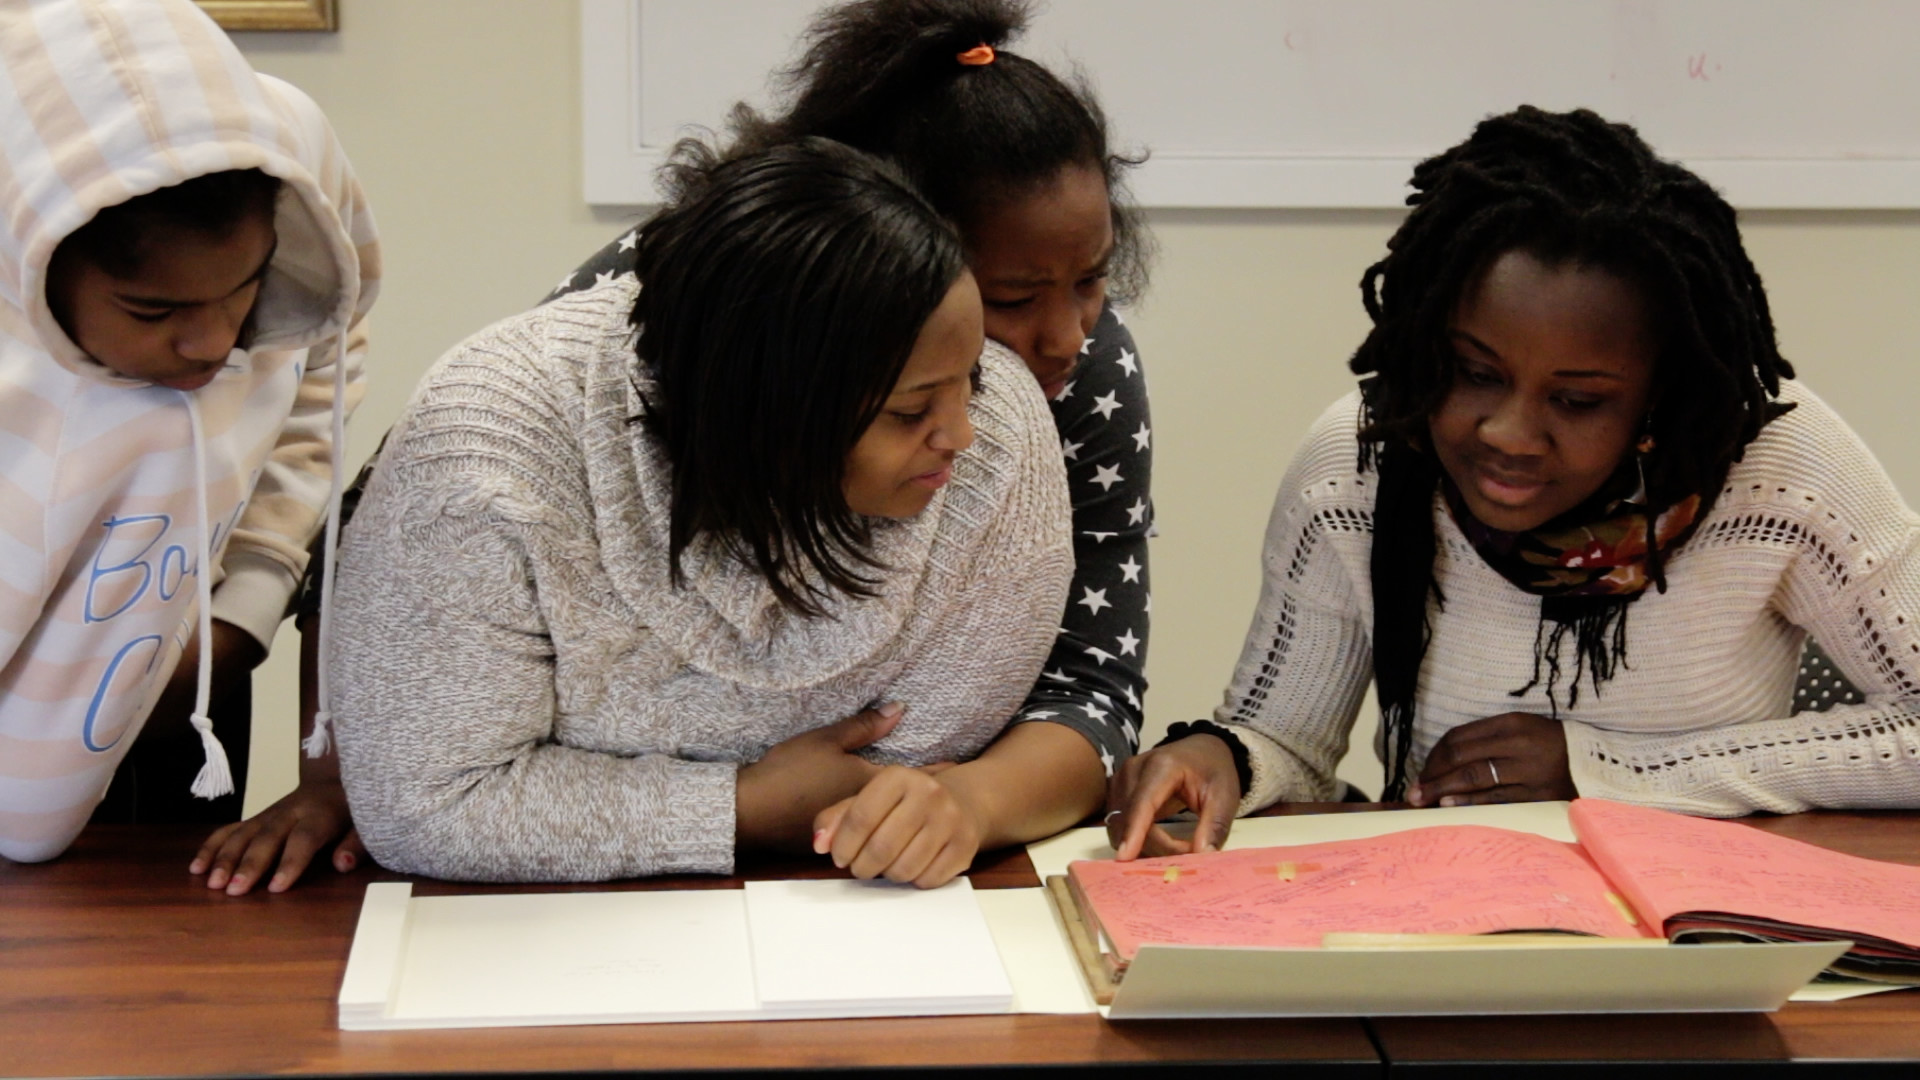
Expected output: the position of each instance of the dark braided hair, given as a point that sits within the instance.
(1570, 189)
(884, 76)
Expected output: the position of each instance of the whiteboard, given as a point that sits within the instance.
(1329, 103)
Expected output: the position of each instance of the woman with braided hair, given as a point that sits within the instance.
(1575, 524)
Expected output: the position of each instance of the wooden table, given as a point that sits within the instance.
(115, 962)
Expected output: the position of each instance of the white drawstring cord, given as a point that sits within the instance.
(318, 743)
(216, 776)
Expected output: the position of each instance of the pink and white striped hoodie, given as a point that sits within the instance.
(105, 482)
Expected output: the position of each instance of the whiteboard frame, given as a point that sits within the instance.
(618, 167)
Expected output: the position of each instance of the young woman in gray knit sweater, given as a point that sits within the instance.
(627, 556)
(1019, 160)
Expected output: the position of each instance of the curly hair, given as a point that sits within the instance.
(883, 76)
(1571, 189)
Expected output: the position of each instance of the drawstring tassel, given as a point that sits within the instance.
(320, 741)
(216, 776)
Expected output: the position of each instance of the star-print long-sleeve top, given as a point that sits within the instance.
(1095, 677)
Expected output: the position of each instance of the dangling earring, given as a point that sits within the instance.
(1642, 448)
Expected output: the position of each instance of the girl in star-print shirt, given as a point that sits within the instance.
(1019, 159)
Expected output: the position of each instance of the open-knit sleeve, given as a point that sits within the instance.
(1307, 656)
(1853, 581)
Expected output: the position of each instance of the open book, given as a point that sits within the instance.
(1636, 874)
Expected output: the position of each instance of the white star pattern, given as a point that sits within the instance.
(1085, 344)
(566, 282)
(1059, 676)
(1042, 714)
(1106, 762)
(1107, 445)
(1094, 712)
(603, 277)
(627, 241)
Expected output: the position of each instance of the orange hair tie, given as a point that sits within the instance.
(978, 56)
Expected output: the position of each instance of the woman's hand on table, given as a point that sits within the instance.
(1195, 773)
(905, 825)
(284, 838)
(777, 797)
(1512, 757)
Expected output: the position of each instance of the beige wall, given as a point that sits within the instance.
(462, 117)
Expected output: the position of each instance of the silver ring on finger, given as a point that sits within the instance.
(1495, 770)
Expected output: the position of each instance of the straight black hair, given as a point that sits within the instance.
(120, 238)
(1571, 189)
(885, 76)
(781, 292)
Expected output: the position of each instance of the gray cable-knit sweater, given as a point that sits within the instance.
(520, 693)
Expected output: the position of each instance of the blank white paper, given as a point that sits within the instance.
(851, 947)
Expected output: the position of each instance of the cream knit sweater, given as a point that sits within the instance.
(522, 695)
(1808, 536)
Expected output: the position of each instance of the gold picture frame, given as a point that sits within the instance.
(273, 14)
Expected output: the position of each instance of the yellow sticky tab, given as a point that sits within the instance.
(1172, 875)
(1287, 870)
(1626, 912)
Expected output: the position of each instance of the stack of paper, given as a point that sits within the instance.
(777, 950)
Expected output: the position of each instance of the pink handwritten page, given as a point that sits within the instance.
(1449, 879)
(1670, 864)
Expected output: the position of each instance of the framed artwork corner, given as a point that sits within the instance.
(234, 15)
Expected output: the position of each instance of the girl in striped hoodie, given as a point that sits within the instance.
(185, 260)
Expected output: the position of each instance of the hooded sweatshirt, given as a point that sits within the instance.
(123, 504)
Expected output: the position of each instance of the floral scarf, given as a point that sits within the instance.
(1587, 566)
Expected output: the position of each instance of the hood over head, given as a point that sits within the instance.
(111, 99)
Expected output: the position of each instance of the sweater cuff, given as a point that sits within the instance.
(1597, 770)
(696, 836)
(253, 595)
(1277, 776)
